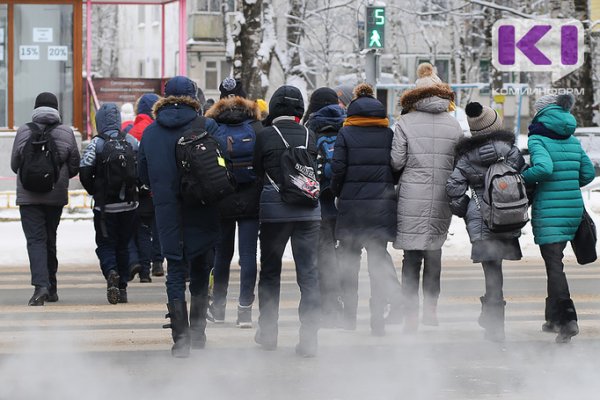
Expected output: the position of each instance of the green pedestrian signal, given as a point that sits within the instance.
(375, 37)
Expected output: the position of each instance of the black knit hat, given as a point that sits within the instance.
(320, 98)
(46, 99)
(231, 87)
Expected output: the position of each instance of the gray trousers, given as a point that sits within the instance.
(39, 224)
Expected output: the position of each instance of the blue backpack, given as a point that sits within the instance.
(237, 143)
(325, 145)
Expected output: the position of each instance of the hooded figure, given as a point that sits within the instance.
(114, 214)
(239, 124)
(474, 156)
(143, 118)
(187, 233)
(423, 151)
(40, 212)
(559, 168)
(364, 184)
(281, 221)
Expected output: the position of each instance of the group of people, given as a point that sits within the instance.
(376, 184)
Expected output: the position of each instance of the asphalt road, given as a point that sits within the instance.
(84, 348)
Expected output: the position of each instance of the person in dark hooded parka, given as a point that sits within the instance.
(281, 221)
(474, 155)
(363, 181)
(187, 234)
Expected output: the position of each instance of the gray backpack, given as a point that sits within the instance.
(505, 206)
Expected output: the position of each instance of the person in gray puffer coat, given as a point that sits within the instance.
(475, 155)
(40, 212)
(423, 151)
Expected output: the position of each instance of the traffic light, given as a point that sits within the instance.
(375, 34)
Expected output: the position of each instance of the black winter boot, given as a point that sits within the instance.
(179, 328)
(552, 324)
(568, 321)
(483, 320)
(494, 321)
(308, 344)
(157, 268)
(198, 308)
(53, 294)
(40, 295)
(377, 308)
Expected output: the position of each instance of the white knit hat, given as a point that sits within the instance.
(426, 76)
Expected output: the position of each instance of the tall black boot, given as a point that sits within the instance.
(377, 308)
(483, 317)
(198, 308)
(493, 320)
(568, 321)
(552, 317)
(179, 328)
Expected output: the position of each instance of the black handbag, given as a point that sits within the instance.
(584, 243)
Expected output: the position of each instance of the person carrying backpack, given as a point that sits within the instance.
(475, 155)
(285, 160)
(108, 171)
(187, 228)
(364, 184)
(423, 152)
(44, 157)
(559, 167)
(239, 122)
(325, 117)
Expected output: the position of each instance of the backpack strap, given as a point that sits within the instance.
(281, 136)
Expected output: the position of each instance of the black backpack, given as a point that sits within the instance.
(116, 170)
(300, 184)
(40, 166)
(205, 175)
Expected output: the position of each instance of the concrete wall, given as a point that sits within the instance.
(7, 177)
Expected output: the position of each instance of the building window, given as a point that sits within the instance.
(211, 76)
(141, 15)
(156, 67)
(213, 6)
(438, 8)
(141, 69)
(155, 13)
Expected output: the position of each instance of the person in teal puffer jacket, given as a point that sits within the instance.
(559, 168)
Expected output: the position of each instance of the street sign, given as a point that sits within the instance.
(375, 34)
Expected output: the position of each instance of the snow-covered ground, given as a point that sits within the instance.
(76, 238)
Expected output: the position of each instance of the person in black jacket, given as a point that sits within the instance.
(364, 184)
(325, 117)
(475, 155)
(280, 221)
(238, 120)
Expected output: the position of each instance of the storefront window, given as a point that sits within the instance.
(3, 66)
(43, 58)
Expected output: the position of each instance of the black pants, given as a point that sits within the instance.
(492, 270)
(383, 279)
(113, 249)
(411, 275)
(558, 287)
(273, 239)
(199, 272)
(329, 269)
(39, 224)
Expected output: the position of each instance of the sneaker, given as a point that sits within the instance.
(216, 313)
(122, 295)
(145, 277)
(112, 287)
(244, 317)
(133, 271)
(157, 268)
(40, 295)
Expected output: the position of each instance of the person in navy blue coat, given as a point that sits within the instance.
(187, 234)
(364, 184)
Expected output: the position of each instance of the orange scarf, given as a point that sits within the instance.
(357, 120)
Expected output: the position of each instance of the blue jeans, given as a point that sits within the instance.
(199, 270)
(273, 239)
(140, 245)
(113, 249)
(247, 237)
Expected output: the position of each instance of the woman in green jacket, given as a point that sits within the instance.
(559, 168)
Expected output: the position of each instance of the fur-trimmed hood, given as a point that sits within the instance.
(411, 98)
(175, 111)
(467, 144)
(234, 110)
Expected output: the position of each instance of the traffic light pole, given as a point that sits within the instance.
(371, 59)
